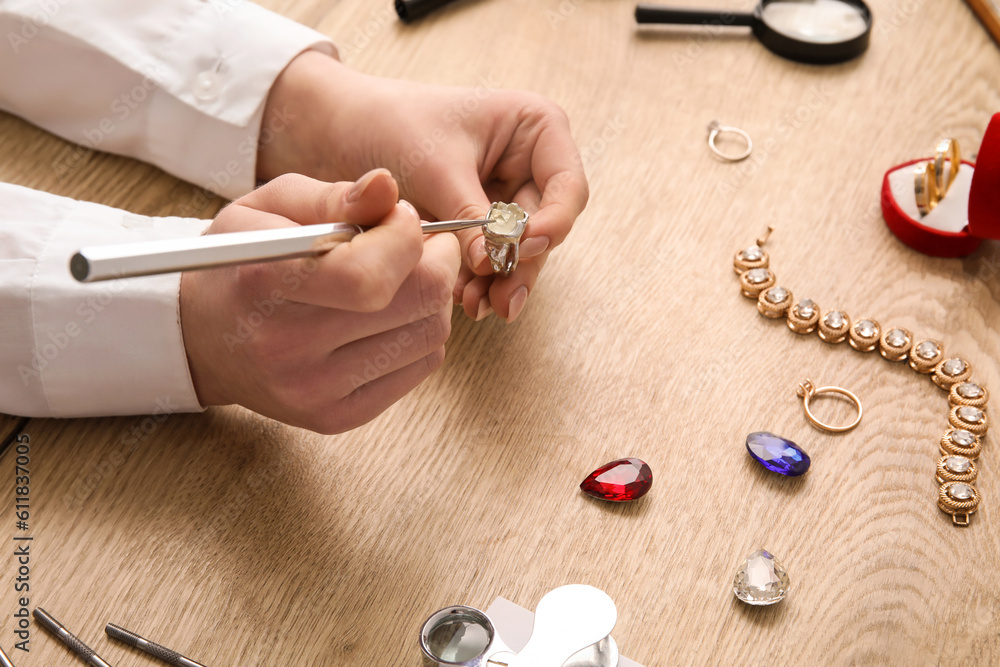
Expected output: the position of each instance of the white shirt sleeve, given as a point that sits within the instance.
(71, 349)
(177, 83)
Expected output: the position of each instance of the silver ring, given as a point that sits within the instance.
(502, 236)
(714, 130)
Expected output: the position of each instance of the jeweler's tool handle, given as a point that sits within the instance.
(5, 659)
(678, 16)
(148, 258)
(82, 651)
(211, 251)
(152, 648)
(411, 10)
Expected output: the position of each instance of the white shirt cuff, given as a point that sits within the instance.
(208, 128)
(72, 349)
(181, 84)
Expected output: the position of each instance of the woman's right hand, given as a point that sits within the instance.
(324, 343)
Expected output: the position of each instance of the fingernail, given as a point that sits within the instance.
(517, 300)
(484, 308)
(477, 253)
(534, 246)
(358, 189)
(409, 207)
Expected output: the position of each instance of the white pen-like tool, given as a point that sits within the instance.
(210, 251)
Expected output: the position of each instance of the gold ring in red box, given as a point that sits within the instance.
(958, 223)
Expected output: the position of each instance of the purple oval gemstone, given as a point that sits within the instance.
(777, 454)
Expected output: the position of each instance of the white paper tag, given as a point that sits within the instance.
(514, 623)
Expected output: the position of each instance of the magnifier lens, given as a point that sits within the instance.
(457, 635)
(815, 21)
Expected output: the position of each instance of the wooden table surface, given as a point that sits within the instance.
(240, 541)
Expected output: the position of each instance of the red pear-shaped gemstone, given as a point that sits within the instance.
(621, 480)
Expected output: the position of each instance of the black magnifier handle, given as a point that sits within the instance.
(411, 10)
(677, 16)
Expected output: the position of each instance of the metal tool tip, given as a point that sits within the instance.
(121, 634)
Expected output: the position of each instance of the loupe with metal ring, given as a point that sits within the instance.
(572, 629)
(819, 32)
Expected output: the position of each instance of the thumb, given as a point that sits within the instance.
(360, 275)
(306, 201)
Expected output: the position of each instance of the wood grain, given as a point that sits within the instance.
(239, 541)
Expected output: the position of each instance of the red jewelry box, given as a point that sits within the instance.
(974, 197)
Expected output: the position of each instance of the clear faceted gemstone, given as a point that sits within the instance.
(953, 367)
(896, 338)
(969, 390)
(960, 491)
(928, 350)
(957, 464)
(866, 329)
(761, 580)
(963, 438)
(806, 308)
(505, 219)
(834, 319)
(756, 276)
(776, 295)
(970, 415)
(752, 254)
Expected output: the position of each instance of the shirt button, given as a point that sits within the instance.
(206, 85)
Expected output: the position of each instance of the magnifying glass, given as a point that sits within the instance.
(457, 636)
(572, 628)
(819, 32)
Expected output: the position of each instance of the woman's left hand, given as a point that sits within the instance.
(453, 151)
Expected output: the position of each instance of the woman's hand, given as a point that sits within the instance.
(452, 150)
(325, 343)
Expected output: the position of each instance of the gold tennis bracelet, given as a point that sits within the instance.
(961, 443)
